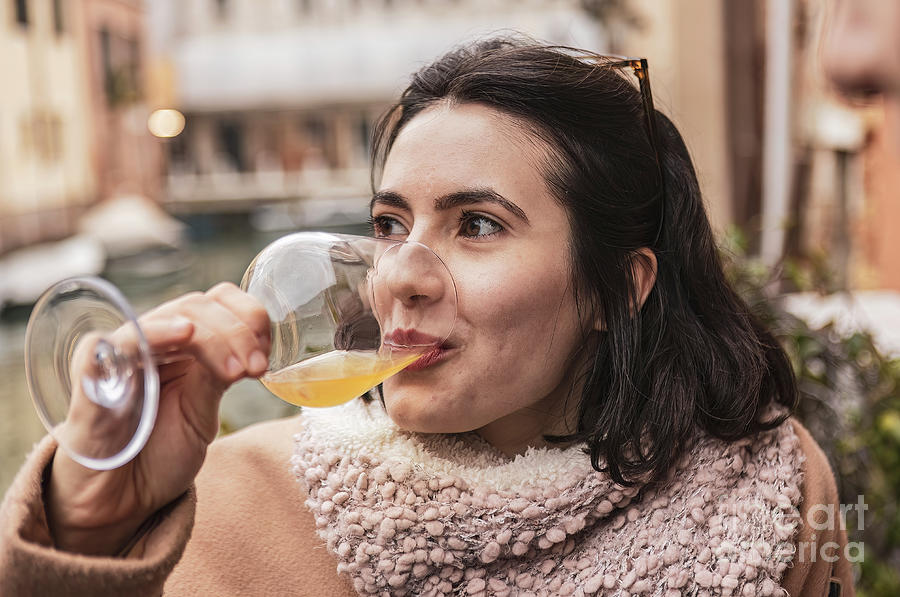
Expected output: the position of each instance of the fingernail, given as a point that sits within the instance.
(233, 366)
(180, 324)
(258, 361)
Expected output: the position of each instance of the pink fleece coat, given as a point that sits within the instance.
(245, 530)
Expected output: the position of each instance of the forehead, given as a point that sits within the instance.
(465, 144)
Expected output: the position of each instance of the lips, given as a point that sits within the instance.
(410, 339)
(427, 360)
(401, 339)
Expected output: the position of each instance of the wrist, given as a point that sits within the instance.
(72, 528)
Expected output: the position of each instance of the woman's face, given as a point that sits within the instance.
(466, 181)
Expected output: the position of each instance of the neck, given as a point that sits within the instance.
(515, 433)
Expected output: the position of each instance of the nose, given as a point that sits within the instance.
(412, 289)
(413, 274)
(416, 274)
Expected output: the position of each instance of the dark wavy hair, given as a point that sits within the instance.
(692, 357)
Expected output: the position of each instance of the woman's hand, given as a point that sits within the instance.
(220, 336)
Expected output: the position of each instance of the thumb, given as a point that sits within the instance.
(162, 334)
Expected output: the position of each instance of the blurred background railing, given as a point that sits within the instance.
(162, 143)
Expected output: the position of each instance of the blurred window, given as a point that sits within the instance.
(222, 9)
(59, 20)
(231, 140)
(365, 135)
(133, 66)
(179, 158)
(320, 139)
(106, 63)
(120, 61)
(315, 130)
(20, 8)
(41, 136)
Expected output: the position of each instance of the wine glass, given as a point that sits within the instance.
(357, 311)
(346, 312)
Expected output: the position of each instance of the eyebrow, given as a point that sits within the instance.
(452, 200)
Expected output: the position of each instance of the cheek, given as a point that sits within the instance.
(521, 333)
(514, 301)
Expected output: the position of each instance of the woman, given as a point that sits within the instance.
(607, 417)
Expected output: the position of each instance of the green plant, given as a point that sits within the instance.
(849, 401)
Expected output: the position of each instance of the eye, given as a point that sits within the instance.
(386, 226)
(473, 225)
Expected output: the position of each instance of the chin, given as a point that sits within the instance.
(422, 415)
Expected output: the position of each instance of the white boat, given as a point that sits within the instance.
(131, 224)
(26, 273)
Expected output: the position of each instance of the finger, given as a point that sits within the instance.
(252, 314)
(247, 308)
(165, 334)
(219, 340)
(162, 327)
(210, 349)
(201, 344)
(230, 334)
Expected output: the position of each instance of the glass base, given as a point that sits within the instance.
(90, 372)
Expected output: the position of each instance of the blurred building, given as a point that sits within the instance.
(690, 47)
(845, 176)
(281, 96)
(879, 241)
(73, 120)
(126, 158)
(809, 181)
(848, 176)
(45, 162)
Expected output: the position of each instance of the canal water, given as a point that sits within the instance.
(220, 249)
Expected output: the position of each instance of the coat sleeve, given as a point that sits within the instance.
(30, 565)
(820, 566)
